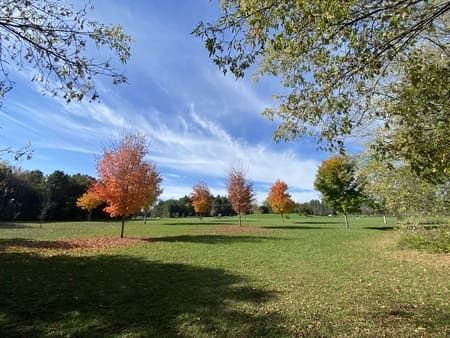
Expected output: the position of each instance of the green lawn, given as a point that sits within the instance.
(307, 277)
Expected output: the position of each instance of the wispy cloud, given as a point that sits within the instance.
(191, 144)
(198, 121)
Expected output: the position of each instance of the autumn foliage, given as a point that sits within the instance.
(201, 199)
(126, 180)
(89, 201)
(279, 199)
(240, 192)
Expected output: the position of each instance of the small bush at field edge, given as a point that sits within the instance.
(431, 239)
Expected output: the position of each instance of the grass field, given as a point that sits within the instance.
(308, 277)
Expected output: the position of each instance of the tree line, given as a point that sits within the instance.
(182, 207)
(128, 185)
(31, 195)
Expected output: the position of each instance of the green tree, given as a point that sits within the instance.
(221, 206)
(399, 190)
(337, 182)
(418, 118)
(20, 193)
(155, 191)
(335, 58)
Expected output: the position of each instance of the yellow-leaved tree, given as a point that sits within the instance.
(89, 201)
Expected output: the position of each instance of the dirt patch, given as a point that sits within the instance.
(89, 244)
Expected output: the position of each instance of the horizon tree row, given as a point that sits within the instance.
(128, 185)
(31, 195)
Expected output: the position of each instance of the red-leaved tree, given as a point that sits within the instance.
(125, 177)
(201, 199)
(240, 192)
(280, 200)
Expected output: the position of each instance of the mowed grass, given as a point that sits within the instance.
(307, 277)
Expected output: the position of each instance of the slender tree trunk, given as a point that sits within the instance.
(384, 219)
(346, 221)
(145, 217)
(240, 222)
(123, 225)
(89, 215)
(282, 218)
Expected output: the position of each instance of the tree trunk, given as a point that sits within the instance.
(123, 225)
(346, 220)
(240, 222)
(384, 219)
(145, 217)
(89, 215)
(282, 218)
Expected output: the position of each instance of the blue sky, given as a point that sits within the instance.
(198, 121)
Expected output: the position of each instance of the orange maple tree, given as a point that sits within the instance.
(89, 201)
(280, 200)
(201, 199)
(126, 180)
(240, 192)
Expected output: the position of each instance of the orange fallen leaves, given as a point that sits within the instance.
(75, 245)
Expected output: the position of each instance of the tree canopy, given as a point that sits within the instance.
(336, 180)
(125, 178)
(89, 201)
(240, 192)
(279, 199)
(201, 199)
(31, 195)
(418, 118)
(336, 59)
(399, 190)
(51, 40)
(155, 190)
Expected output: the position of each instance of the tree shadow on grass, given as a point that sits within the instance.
(10, 225)
(197, 223)
(318, 222)
(212, 239)
(380, 228)
(416, 315)
(295, 227)
(106, 295)
(34, 244)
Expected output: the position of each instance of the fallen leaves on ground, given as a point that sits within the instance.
(88, 244)
(226, 229)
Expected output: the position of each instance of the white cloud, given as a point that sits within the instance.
(193, 146)
(213, 151)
